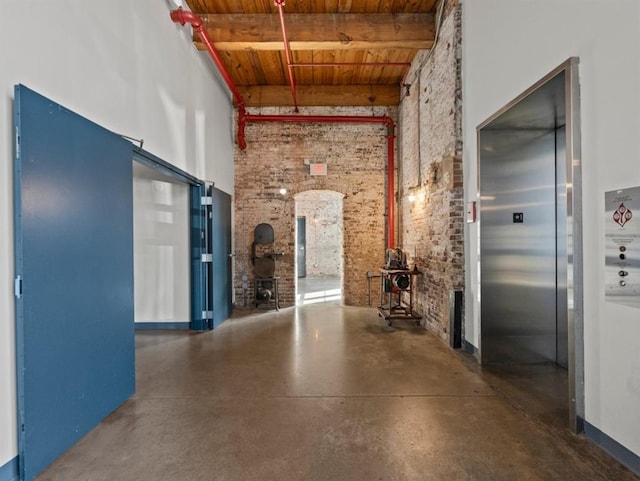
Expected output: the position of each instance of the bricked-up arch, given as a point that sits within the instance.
(356, 157)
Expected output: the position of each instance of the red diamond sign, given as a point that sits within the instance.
(622, 215)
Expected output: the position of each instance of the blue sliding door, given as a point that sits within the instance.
(201, 315)
(222, 259)
(74, 277)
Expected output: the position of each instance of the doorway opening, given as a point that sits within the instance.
(206, 213)
(319, 246)
(161, 250)
(530, 240)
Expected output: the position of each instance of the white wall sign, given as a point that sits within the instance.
(622, 248)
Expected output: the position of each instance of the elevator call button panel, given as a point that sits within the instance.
(622, 220)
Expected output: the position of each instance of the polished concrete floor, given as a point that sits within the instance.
(322, 392)
(314, 290)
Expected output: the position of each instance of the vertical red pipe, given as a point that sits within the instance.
(242, 123)
(391, 195)
(287, 51)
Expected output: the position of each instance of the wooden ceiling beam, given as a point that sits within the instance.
(301, 46)
(327, 31)
(321, 95)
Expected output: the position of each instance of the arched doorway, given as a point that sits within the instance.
(319, 246)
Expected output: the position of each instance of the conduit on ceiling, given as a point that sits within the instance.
(182, 16)
(403, 82)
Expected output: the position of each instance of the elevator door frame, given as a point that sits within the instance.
(575, 318)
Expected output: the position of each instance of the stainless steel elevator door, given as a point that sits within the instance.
(562, 245)
(518, 259)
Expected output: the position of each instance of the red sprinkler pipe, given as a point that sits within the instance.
(183, 16)
(391, 195)
(387, 121)
(287, 51)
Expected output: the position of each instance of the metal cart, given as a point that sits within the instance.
(395, 286)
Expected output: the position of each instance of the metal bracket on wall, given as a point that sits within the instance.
(206, 200)
(207, 315)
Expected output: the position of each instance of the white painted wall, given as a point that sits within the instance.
(126, 66)
(507, 46)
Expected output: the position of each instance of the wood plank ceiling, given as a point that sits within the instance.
(372, 41)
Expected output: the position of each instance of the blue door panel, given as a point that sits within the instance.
(198, 268)
(74, 254)
(221, 240)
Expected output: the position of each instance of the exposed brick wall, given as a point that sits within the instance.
(356, 156)
(430, 167)
(322, 211)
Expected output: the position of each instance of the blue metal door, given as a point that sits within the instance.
(74, 276)
(222, 258)
(200, 277)
(301, 242)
